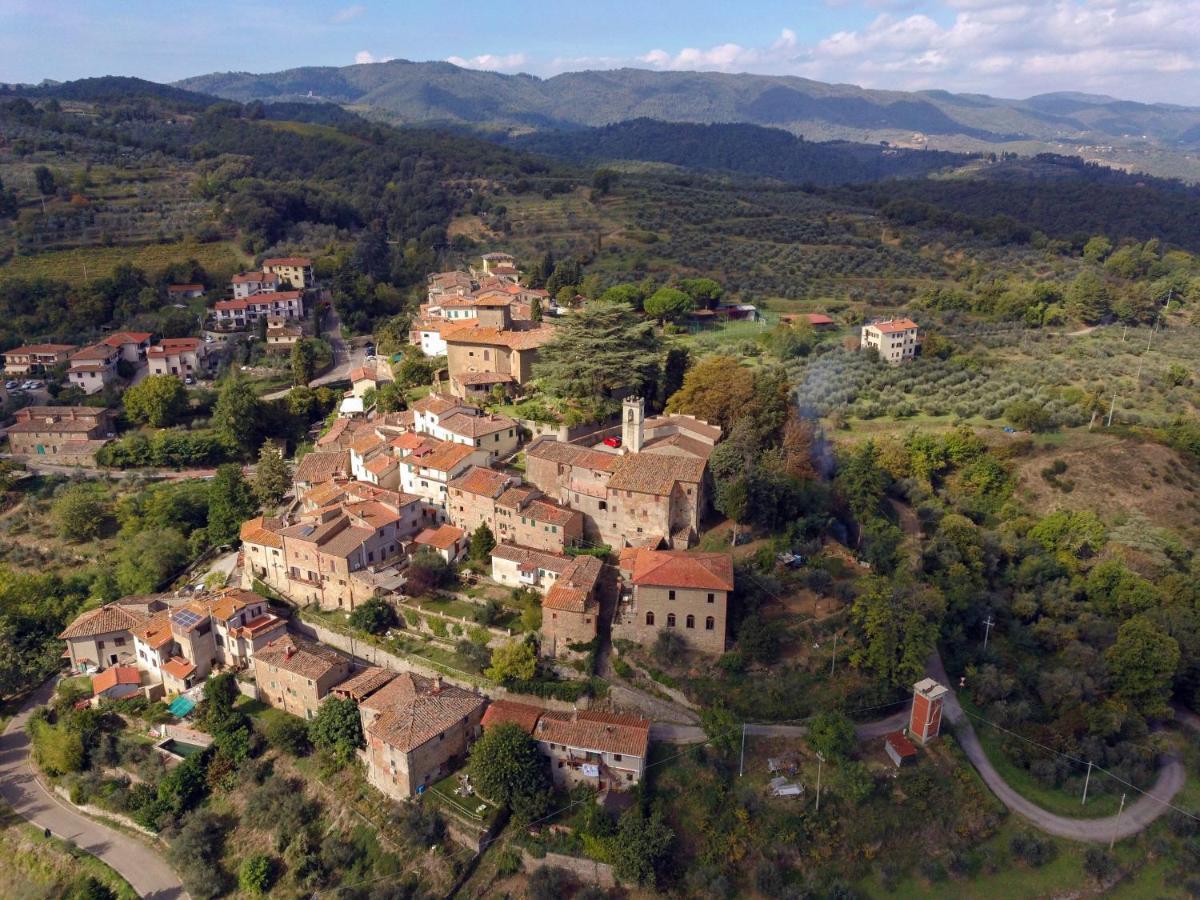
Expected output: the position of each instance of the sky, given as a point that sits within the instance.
(1134, 49)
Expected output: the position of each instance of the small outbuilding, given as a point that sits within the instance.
(899, 748)
(116, 682)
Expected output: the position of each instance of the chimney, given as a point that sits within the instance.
(290, 652)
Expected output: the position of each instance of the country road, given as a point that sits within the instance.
(1136, 816)
(346, 358)
(137, 863)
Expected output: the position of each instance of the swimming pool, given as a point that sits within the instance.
(181, 749)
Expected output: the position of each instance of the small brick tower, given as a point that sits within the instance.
(926, 719)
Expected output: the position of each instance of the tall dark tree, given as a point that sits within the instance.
(603, 350)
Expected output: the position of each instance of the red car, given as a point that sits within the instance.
(612, 442)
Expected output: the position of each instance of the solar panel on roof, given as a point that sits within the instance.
(185, 618)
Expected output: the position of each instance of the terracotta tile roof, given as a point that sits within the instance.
(32, 349)
(381, 464)
(654, 473)
(95, 351)
(127, 337)
(155, 632)
(595, 731)
(527, 557)
(345, 542)
(413, 710)
(521, 714)
(303, 658)
(367, 441)
(321, 465)
(368, 681)
(370, 373)
(571, 455)
(113, 676)
(302, 261)
(334, 432)
(173, 346)
(178, 667)
(183, 288)
(261, 625)
(443, 537)
(262, 530)
(255, 278)
(409, 441)
(529, 339)
(265, 298)
(230, 601)
(892, 326)
(91, 367)
(482, 482)
(476, 426)
(818, 319)
(111, 617)
(443, 456)
(573, 590)
(437, 404)
(690, 445)
(680, 569)
(685, 424)
(542, 510)
(902, 745)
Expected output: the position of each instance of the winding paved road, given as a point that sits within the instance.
(137, 863)
(1136, 816)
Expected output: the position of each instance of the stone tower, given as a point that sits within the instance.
(925, 720)
(633, 417)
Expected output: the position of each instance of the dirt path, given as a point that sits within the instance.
(137, 863)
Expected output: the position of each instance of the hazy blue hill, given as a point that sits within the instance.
(405, 91)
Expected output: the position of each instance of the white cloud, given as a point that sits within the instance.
(348, 14)
(363, 57)
(491, 62)
(1132, 48)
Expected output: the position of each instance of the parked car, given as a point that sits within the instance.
(28, 385)
(612, 442)
(189, 380)
(10, 385)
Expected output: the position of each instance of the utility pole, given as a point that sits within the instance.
(1117, 824)
(1111, 407)
(742, 761)
(988, 622)
(833, 662)
(820, 761)
(1086, 781)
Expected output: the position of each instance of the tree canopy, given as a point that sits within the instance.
(507, 769)
(602, 350)
(157, 400)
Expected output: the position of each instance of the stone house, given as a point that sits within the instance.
(605, 751)
(72, 434)
(447, 541)
(515, 513)
(417, 731)
(295, 675)
(488, 350)
(245, 284)
(102, 637)
(685, 592)
(571, 608)
(523, 567)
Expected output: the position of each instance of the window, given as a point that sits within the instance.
(709, 623)
(670, 595)
(691, 621)
(670, 620)
(712, 598)
(649, 618)
(603, 505)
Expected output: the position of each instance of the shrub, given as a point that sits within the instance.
(289, 734)
(375, 616)
(670, 646)
(1033, 849)
(256, 874)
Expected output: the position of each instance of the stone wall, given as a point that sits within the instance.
(586, 870)
(365, 651)
(187, 735)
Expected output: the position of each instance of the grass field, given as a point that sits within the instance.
(39, 867)
(69, 265)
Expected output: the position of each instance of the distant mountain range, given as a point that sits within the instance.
(438, 92)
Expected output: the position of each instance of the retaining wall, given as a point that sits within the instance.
(586, 870)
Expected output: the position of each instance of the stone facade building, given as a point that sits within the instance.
(687, 593)
(295, 675)
(605, 751)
